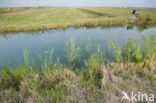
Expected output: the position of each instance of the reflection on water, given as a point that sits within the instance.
(13, 45)
(130, 27)
(140, 28)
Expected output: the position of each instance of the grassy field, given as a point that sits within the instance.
(134, 69)
(50, 18)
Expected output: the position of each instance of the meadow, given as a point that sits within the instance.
(17, 19)
(99, 81)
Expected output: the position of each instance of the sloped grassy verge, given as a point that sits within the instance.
(17, 20)
(134, 69)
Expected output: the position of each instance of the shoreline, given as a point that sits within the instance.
(40, 27)
(46, 19)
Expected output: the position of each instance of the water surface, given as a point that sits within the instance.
(13, 45)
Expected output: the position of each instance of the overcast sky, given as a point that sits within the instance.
(91, 3)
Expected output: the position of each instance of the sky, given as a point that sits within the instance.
(77, 3)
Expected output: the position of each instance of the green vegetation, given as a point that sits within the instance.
(134, 68)
(72, 51)
(18, 20)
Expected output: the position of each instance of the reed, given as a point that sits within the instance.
(115, 49)
(149, 47)
(72, 52)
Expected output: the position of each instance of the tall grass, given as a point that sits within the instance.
(149, 49)
(134, 51)
(72, 52)
(115, 49)
(26, 58)
(130, 51)
(91, 74)
(46, 60)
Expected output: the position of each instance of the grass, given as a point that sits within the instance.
(51, 18)
(133, 69)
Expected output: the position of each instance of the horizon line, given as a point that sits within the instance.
(80, 6)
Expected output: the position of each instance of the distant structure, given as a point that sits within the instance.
(40, 7)
(132, 18)
(136, 12)
(137, 17)
(10, 9)
(27, 8)
(148, 19)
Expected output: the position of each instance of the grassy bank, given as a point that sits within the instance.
(51, 18)
(133, 69)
